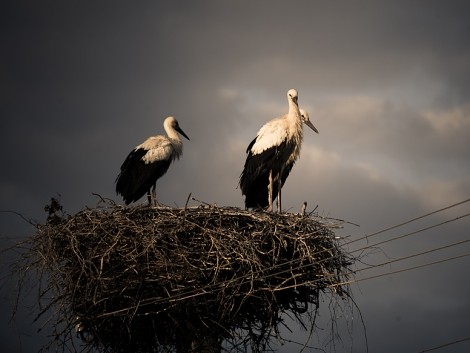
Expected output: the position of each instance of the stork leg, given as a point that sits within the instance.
(270, 191)
(154, 195)
(279, 186)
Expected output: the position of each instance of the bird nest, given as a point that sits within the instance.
(143, 279)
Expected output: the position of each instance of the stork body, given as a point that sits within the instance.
(271, 156)
(148, 162)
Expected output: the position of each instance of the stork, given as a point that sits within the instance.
(148, 162)
(271, 156)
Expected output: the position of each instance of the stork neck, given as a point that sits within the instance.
(294, 112)
(175, 141)
(172, 134)
(170, 131)
(295, 127)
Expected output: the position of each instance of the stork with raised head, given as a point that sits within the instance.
(149, 161)
(271, 156)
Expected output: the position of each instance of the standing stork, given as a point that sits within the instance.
(149, 161)
(271, 156)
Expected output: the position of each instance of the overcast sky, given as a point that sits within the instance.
(387, 84)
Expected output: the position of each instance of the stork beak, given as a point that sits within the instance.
(182, 132)
(310, 125)
(296, 100)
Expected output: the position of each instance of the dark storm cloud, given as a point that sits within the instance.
(386, 83)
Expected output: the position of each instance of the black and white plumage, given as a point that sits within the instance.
(147, 162)
(271, 156)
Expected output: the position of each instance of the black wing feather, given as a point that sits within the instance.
(254, 179)
(137, 177)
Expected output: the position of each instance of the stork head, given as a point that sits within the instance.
(306, 120)
(292, 95)
(172, 123)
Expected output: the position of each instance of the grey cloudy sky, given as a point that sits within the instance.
(387, 84)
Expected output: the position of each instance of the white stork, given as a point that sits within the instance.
(271, 156)
(147, 162)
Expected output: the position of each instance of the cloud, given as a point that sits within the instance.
(435, 193)
(386, 84)
(449, 121)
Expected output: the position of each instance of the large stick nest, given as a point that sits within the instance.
(142, 279)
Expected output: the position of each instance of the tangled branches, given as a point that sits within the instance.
(141, 279)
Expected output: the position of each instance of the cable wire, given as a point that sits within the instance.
(208, 289)
(446, 345)
(239, 280)
(388, 263)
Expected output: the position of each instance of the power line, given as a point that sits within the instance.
(410, 268)
(419, 217)
(410, 233)
(292, 262)
(240, 280)
(202, 291)
(390, 262)
(208, 288)
(417, 254)
(389, 240)
(446, 345)
(374, 245)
